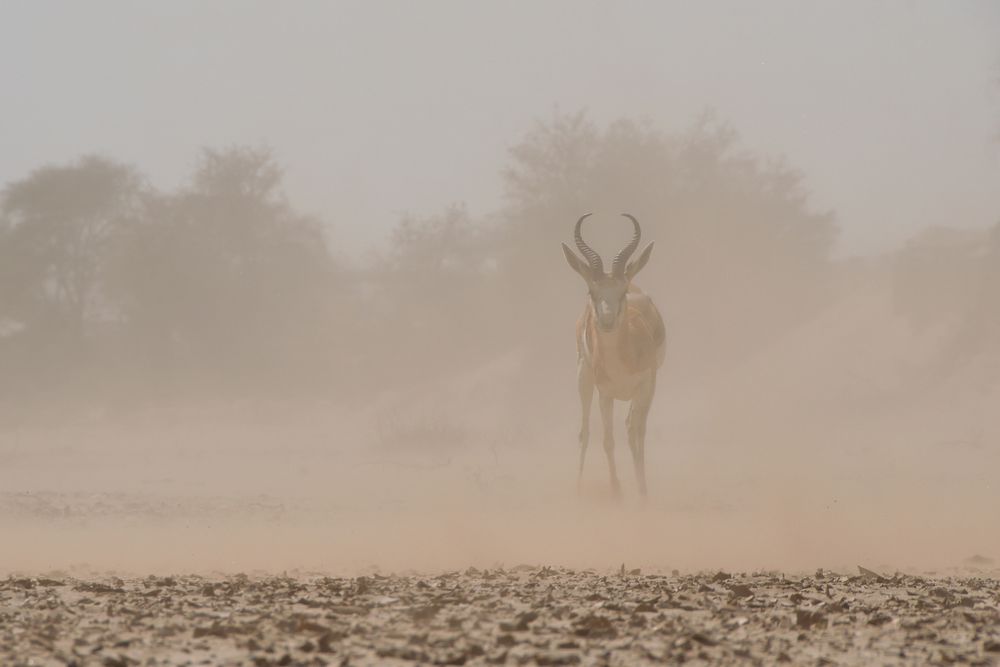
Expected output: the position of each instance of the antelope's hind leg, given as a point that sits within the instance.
(585, 383)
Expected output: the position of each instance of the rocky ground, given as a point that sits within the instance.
(523, 615)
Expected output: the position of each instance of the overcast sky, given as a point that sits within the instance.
(892, 109)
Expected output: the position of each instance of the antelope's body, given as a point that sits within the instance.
(620, 362)
(620, 342)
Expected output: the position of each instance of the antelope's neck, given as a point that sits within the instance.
(610, 341)
(612, 347)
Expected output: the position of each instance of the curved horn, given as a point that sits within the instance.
(592, 257)
(621, 259)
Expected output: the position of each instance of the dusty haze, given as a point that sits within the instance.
(282, 289)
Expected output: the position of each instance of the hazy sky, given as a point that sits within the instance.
(892, 109)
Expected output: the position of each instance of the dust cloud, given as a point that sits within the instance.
(200, 379)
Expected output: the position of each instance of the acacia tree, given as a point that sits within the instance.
(740, 255)
(225, 279)
(57, 226)
(949, 278)
(936, 276)
(432, 296)
(978, 333)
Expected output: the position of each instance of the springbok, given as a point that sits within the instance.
(620, 343)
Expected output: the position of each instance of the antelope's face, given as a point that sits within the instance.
(608, 291)
(608, 296)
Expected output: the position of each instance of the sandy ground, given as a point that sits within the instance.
(252, 494)
(272, 547)
(307, 534)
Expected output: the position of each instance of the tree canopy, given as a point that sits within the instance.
(221, 283)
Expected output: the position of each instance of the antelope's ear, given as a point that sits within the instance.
(576, 263)
(636, 264)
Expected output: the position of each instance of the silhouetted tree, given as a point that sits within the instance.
(980, 328)
(226, 280)
(56, 229)
(433, 295)
(948, 281)
(935, 276)
(740, 255)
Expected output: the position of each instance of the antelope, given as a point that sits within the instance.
(620, 344)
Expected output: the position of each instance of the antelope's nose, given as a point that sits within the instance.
(605, 313)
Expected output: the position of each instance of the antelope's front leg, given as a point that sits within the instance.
(585, 383)
(637, 416)
(637, 443)
(608, 417)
